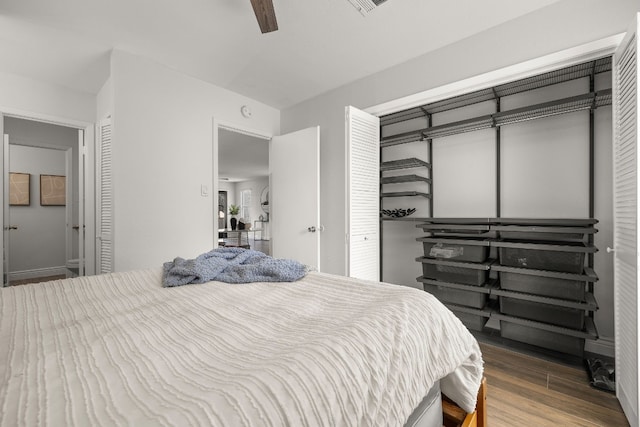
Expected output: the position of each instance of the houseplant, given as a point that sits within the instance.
(233, 211)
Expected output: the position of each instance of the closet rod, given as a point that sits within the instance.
(546, 109)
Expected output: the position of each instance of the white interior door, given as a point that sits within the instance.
(87, 197)
(5, 208)
(625, 154)
(104, 200)
(363, 194)
(70, 207)
(80, 225)
(294, 169)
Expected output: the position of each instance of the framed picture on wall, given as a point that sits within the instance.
(19, 189)
(53, 190)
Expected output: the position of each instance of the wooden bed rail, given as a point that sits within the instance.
(454, 416)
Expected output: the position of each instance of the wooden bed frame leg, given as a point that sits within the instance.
(454, 416)
(481, 406)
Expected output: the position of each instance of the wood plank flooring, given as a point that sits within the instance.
(36, 280)
(528, 391)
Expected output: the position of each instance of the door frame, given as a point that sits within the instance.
(215, 184)
(87, 184)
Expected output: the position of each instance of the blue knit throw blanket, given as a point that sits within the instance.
(231, 265)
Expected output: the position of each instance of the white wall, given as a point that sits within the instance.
(562, 25)
(104, 100)
(30, 96)
(39, 242)
(162, 154)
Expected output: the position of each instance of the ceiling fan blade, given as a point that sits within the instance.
(265, 14)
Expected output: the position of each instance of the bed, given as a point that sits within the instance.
(120, 349)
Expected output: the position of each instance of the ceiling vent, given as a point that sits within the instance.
(366, 6)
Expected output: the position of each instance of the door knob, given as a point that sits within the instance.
(609, 250)
(311, 229)
(11, 227)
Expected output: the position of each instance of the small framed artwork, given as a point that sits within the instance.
(53, 190)
(19, 189)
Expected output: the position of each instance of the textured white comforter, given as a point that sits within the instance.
(119, 349)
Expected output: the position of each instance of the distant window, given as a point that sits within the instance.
(245, 204)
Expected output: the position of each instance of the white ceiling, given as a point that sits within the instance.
(320, 44)
(242, 157)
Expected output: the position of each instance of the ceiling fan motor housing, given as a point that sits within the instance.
(366, 6)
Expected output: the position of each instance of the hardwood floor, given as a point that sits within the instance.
(261, 245)
(528, 391)
(36, 280)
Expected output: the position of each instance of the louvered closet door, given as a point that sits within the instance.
(104, 196)
(363, 198)
(625, 124)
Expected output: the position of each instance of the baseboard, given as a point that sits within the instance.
(604, 346)
(37, 272)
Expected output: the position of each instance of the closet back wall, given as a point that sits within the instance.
(545, 174)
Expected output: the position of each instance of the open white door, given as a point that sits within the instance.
(626, 242)
(4, 179)
(80, 178)
(294, 169)
(363, 194)
(87, 199)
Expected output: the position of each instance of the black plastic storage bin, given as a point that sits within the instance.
(471, 318)
(546, 222)
(567, 257)
(542, 337)
(456, 226)
(455, 272)
(472, 250)
(544, 233)
(547, 313)
(546, 283)
(457, 296)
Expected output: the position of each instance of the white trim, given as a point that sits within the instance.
(68, 166)
(4, 251)
(37, 272)
(603, 346)
(89, 221)
(244, 131)
(18, 141)
(563, 58)
(45, 118)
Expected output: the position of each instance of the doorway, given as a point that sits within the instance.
(44, 225)
(292, 224)
(243, 183)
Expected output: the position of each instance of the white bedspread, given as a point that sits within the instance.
(119, 349)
